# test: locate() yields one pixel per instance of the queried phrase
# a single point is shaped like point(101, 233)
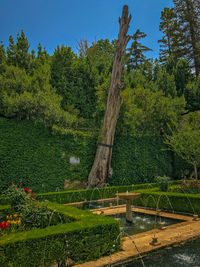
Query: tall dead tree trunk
point(102, 162)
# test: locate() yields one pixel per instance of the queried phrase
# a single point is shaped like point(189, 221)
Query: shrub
point(162, 182)
point(27, 211)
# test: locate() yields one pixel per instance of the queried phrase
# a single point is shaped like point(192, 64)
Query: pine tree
point(136, 52)
point(2, 53)
point(188, 12)
point(22, 54)
point(11, 51)
point(2, 58)
point(42, 54)
point(32, 54)
point(171, 44)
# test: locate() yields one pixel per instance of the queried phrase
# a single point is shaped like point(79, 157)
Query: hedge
point(177, 202)
point(34, 157)
point(88, 237)
point(94, 194)
point(89, 194)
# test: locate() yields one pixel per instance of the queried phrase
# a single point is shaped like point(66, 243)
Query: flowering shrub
point(26, 211)
point(191, 186)
point(18, 197)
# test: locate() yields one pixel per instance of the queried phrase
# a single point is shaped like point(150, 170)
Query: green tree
point(31, 97)
point(22, 54)
point(11, 52)
point(192, 95)
point(42, 54)
point(41, 107)
point(171, 44)
point(183, 75)
point(173, 76)
point(135, 55)
point(166, 83)
point(2, 58)
point(189, 19)
point(185, 141)
point(2, 53)
point(18, 54)
point(62, 74)
point(147, 112)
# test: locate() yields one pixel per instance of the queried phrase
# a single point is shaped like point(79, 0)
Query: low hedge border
point(180, 202)
point(89, 237)
point(93, 194)
point(88, 194)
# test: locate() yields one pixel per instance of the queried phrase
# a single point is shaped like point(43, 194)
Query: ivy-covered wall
point(138, 159)
point(40, 159)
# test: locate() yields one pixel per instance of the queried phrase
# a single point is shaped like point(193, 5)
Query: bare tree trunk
point(102, 162)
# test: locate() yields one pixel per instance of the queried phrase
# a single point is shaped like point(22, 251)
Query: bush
point(28, 212)
point(162, 182)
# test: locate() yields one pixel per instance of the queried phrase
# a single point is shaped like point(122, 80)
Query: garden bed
point(88, 236)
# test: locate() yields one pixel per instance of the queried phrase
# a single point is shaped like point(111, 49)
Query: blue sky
point(56, 22)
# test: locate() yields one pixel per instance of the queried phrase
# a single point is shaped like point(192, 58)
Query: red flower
point(4, 225)
point(26, 189)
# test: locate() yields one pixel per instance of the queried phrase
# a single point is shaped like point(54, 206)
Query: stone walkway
point(173, 234)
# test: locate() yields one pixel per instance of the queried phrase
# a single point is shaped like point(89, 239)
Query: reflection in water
point(187, 255)
point(141, 222)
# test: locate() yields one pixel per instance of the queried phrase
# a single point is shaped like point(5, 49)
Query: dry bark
point(102, 162)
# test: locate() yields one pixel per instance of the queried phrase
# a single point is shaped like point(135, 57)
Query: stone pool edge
point(173, 234)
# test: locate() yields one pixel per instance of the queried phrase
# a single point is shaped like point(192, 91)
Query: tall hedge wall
point(40, 159)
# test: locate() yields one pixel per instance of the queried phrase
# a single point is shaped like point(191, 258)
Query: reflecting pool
point(141, 222)
point(187, 255)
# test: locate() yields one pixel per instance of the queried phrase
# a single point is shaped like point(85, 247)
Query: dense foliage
point(185, 141)
point(68, 89)
point(32, 157)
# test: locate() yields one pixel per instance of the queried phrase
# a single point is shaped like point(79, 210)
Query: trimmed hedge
point(94, 194)
point(89, 237)
point(89, 194)
point(177, 202)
